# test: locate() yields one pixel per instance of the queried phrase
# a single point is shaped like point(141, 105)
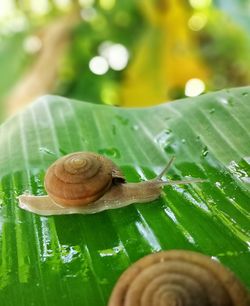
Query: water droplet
point(163, 138)
point(84, 140)
point(69, 253)
point(135, 127)
point(227, 100)
point(103, 281)
point(47, 151)
point(112, 251)
point(246, 179)
point(63, 151)
point(212, 111)
point(171, 149)
point(239, 172)
point(223, 100)
point(218, 184)
point(204, 151)
point(112, 152)
point(123, 120)
point(183, 140)
point(38, 184)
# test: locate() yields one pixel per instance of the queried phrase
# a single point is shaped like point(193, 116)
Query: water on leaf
point(63, 152)
point(112, 251)
point(45, 150)
point(110, 152)
point(122, 120)
point(135, 127)
point(204, 151)
point(238, 171)
point(223, 100)
point(163, 139)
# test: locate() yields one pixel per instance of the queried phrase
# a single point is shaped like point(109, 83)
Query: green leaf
point(237, 11)
point(76, 259)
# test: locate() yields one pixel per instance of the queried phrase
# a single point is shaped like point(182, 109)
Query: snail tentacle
point(165, 169)
point(159, 179)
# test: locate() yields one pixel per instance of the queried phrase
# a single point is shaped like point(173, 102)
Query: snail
point(86, 182)
point(178, 278)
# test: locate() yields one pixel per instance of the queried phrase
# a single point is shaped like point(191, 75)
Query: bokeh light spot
point(32, 44)
point(194, 87)
point(6, 8)
point(117, 55)
point(200, 4)
point(197, 21)
point(40, 7)
point(85, 3)
point(88, 13)
point(63, 4)
point(107, 4)
point(98, 65)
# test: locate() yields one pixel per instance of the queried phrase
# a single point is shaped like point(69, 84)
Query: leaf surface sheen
point(76, 259)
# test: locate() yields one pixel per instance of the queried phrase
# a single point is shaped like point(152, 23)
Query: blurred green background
point(124, 53)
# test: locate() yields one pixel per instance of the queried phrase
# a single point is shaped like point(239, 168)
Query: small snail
point(85, 183)
point(178, 278)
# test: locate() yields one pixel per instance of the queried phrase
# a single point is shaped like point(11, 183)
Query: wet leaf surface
point(76, 259)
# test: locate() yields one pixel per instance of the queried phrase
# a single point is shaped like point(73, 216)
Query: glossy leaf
point(76, 259)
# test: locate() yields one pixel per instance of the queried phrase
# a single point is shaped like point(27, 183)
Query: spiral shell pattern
point(79, 178)
point(178, 278)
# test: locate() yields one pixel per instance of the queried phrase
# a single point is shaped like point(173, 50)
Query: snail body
point(178, 277)
point(86, 182)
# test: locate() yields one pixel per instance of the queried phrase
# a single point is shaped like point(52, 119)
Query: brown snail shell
point(87, 183)
point(80, 178)
point(178, 278)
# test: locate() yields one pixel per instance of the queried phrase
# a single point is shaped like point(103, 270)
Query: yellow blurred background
point(124, 53)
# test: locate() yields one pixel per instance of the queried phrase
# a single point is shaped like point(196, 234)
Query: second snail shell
point(178, 278)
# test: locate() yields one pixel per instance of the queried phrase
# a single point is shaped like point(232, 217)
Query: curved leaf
point(76, 259)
